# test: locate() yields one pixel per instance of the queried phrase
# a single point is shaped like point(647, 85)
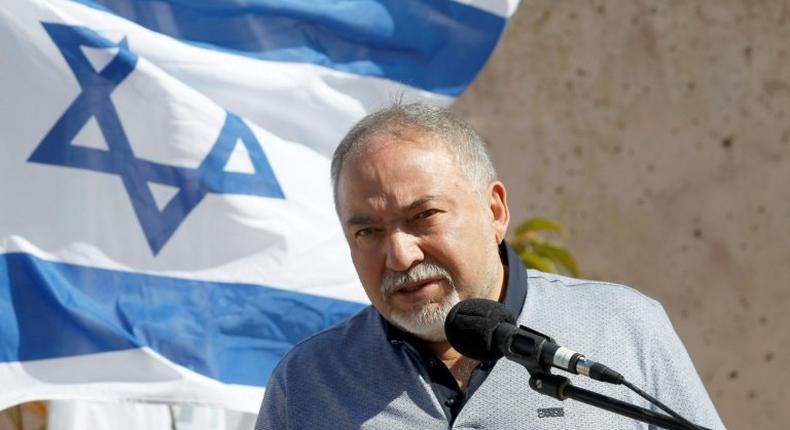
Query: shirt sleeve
point(675, 380)
point(273, 414)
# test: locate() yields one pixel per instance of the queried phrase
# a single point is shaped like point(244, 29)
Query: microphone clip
point(541, 379)
point(529, 347)
point(549, 384)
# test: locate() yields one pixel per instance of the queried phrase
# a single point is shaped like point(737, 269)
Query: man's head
point(422, 212)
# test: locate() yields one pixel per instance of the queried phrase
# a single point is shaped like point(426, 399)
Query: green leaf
point(540, 223)
point(558, 253)
point(519, 245)
point(534, 261)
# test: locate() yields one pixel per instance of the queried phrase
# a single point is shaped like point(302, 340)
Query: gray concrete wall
point(659, 132)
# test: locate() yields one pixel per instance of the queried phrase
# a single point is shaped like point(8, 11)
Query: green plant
point(538, 252)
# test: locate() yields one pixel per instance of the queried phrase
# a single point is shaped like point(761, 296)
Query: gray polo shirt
point(352, 376)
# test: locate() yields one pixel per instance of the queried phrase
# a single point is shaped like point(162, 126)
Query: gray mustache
point(418, 273)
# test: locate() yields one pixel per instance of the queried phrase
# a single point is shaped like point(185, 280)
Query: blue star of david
point(192, 183)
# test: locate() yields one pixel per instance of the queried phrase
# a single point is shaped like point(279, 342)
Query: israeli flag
point(167, 230)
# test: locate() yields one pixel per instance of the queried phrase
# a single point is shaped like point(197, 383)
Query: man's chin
point(426, 321)
point(433, 333)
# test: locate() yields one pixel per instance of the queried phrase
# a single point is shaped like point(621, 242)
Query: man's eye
point(364, 232)
point(426, 214)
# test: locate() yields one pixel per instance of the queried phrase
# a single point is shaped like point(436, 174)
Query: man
point(425, 220)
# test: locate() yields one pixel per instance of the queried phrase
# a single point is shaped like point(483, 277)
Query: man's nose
point(403, 251)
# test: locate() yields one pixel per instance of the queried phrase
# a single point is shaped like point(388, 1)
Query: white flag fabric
point(167, 230)
point(73, 414)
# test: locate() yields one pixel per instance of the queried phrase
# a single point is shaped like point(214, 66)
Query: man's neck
point(461, 367)
point(442, 350)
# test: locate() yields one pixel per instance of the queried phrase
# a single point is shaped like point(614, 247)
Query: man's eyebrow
point(367, 220)
point(422, 201)
point(359, 220)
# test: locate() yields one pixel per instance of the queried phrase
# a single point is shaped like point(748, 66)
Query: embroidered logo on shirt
point(550, 412)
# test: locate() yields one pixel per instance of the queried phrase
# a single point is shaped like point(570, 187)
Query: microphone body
point(526, 346)
point(484, 330)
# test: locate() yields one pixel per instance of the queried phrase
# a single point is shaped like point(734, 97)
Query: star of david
point(94, 102)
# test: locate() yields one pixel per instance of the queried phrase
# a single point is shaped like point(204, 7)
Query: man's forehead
point(393, 139)
point(395, 171)
point(387, 156)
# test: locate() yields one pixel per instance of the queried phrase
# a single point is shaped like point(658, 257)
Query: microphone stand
point(561, 388)
point(543, 381)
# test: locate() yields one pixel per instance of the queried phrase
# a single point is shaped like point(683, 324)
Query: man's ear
point(500, 214)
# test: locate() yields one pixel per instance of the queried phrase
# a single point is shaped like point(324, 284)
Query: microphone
point(484, 330)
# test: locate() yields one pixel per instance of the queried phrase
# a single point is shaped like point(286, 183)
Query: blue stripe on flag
point(435, 45)
point(234, 333)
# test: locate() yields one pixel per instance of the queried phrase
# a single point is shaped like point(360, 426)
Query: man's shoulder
point(356, 331)
point(560, 302)
point(340, 359)
point(589, 292)
point(364, 323)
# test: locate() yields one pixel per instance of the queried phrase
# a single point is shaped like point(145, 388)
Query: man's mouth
point(414, 290)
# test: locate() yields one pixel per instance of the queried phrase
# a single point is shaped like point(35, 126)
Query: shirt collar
point(515, 293)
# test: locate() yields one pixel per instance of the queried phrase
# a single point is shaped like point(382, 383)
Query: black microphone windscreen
point(470, 327)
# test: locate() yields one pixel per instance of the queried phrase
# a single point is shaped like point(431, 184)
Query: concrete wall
point(659, 132)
